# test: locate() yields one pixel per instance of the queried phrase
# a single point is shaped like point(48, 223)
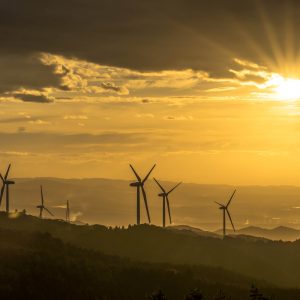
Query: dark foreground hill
point(38, 266)
point(274, 261)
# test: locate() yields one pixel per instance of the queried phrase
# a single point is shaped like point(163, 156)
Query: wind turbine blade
point(42, 195)
point(230, 198)
point(230, 219)
point(174, 187)
point(169, 210)
point(219, 204)
point(159, 185)
point(135, 173)
point(146, 204)
point(7, 171)
point(45, 208)
point(149, 173)
point(2, 189)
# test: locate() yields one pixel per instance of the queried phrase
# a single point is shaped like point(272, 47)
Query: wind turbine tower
point(42, 207)
point(68, 212)
point(5, 187)
point(225, 210)
point(139, 185)
point(165, 199)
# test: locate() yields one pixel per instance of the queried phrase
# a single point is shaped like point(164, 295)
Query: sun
point(287, 88)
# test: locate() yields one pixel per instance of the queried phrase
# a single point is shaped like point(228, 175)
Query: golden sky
point(208, 91)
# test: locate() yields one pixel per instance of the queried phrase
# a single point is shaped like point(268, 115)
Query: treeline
point(38, 266)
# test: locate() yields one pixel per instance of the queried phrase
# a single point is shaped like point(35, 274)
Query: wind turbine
point(68, 212)
point(42, 206)
point(140, 186)
point(165, 198)
point(5, 187)
point(225, 210)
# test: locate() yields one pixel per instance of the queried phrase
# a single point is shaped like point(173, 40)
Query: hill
point(194, 231)
point(39, 266)
point(275, 262)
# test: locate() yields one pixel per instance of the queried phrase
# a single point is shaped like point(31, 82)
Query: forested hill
point(275, 262)
point(38, 266)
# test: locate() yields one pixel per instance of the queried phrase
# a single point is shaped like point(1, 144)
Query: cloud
point(178, 118)
point(148, 115)
point(39, 122)
point(75, 117)
point(14, 153)
point(142, 50)
point(112, 87)
point(173, 34)
point(25, 71)
point(33, 98)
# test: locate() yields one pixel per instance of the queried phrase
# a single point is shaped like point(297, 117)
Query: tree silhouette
point(255, 294)
point(158, 295)
point(220, 296)
point(194, 295)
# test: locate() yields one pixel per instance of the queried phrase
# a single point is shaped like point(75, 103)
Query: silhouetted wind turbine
point(225, 210)
point(42, 206)
point(68, 212)
point(164, 195)
point(140, 186)
point(5, 187)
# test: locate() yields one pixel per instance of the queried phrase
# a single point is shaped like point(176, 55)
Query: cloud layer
point(204, 36)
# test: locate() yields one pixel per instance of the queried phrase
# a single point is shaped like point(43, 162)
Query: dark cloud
point(33, 98)
point(24, 70)
point(111, 86)
point(144, 35)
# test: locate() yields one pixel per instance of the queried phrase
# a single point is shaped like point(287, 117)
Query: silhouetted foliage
point(39, 260)
point(221, 296)
point(255, 294)
point(158, 295)
point(194, 295)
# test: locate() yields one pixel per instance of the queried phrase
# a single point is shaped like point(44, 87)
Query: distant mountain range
point(112, 202)
point(278, 233)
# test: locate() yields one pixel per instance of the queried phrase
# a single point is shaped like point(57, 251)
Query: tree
point(220, 296)
point(255, 294)
point(194, 295)
point(158, 295)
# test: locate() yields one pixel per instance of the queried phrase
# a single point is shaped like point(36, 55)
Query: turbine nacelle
point(161, 195)
point(9, 182)
point(135, 184)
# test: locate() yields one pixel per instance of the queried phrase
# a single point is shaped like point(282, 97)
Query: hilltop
point(275, 262)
